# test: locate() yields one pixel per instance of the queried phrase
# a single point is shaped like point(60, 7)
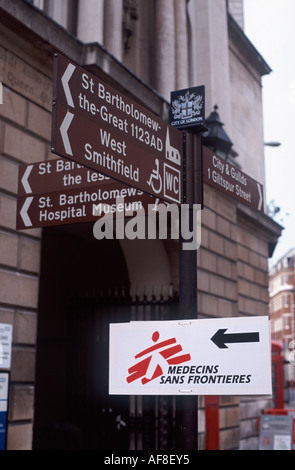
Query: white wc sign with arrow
point(219, 356)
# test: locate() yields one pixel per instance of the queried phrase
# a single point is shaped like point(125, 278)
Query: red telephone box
point(277, 374)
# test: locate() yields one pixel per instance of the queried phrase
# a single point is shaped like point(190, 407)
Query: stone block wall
point(233, 281)
point(25, 127)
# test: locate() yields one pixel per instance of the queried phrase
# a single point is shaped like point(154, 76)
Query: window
point(287, 322)
point(286, 279)
point(277, 325)
point(285, 301)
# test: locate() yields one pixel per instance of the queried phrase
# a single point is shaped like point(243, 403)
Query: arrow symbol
point(24, 212)
point(65, 83)
point(64, 132)
point(220, 338)
point(260, 197)
point(25, 178)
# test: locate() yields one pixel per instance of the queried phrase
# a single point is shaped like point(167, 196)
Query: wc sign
point(172, 183)
point(172, 176)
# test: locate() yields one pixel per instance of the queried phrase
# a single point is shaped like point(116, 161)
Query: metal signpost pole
point(187, 405)
point(187, 112)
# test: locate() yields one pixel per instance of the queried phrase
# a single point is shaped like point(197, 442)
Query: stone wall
point(233, 281)
point(25, 132)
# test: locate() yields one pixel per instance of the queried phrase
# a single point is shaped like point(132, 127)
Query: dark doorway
point(83, 287)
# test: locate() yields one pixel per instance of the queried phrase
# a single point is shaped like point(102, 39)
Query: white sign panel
point(4, 382)
point(5, 345)
point(226, 356)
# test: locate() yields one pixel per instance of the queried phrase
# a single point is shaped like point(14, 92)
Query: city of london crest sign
point(188, 107)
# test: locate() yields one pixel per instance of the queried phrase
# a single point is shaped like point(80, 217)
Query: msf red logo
point(155, 358)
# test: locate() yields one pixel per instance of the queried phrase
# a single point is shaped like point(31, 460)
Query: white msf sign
point(226, 356)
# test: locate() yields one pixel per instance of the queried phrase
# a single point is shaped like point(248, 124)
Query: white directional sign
point(226, 356)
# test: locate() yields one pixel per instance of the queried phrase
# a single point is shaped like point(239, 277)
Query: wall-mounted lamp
point(272, 144)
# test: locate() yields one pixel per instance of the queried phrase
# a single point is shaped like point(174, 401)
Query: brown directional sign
point(57, 175)
point(227, 178)
point(78, 205)
point(60, 191)
point(96, 126)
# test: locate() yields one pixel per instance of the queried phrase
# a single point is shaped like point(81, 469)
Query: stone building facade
point(59, 289)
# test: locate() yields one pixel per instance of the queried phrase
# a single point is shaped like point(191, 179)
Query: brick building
point(281, 290)
point(281, 305)
point(59, 287)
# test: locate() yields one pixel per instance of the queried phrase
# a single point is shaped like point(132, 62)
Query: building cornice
point(36, 28)
point(286, 288)
point(264, 224)
point(245, 45)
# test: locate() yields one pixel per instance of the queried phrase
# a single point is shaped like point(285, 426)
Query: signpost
point(223, 356)
point(228, 179)
point(102, 129)
point(187, 112)
point(113, 147)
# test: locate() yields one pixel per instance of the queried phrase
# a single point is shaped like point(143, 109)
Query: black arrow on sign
point(220, 338)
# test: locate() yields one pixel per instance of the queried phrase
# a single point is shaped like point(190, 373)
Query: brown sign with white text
point(229, 179)
point(102, 129)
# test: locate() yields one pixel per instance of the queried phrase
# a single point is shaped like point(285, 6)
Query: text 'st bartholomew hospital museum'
point(60, 287)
